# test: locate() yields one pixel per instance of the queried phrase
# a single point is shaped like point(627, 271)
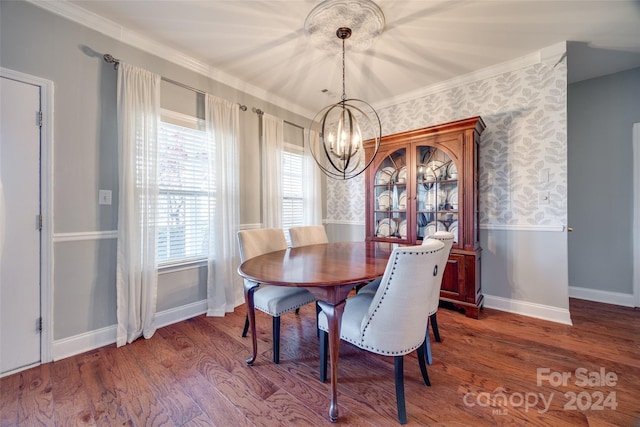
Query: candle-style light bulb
point(330, 139)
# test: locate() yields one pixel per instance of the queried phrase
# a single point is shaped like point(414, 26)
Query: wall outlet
point(104, 197)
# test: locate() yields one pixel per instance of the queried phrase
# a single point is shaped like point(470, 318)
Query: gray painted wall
point(525, 266)
point(601, 113)
point(45, 45)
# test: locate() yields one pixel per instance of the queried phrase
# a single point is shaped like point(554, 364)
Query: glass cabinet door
point(390, 196)
point(437, 192)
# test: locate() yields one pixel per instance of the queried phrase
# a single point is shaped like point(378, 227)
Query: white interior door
point(19, 225)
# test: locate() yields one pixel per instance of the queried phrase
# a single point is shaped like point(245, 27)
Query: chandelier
point(338, 148)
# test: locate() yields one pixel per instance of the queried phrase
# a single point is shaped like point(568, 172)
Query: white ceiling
point(261, 43)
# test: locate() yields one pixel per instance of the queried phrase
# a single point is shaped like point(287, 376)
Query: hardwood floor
point(193, 374)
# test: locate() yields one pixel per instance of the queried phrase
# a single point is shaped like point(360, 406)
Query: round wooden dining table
point(329, 271)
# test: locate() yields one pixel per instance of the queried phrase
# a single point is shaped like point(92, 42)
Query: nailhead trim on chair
point(377, 350)
point(261, 308)
point(285, 311)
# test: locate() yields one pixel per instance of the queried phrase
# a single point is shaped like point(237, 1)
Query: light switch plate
point(104, 197)
point(543, 176)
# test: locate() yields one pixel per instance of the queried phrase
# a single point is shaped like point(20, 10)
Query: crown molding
point(116, 31)
point(81, 16)
point(553, 52)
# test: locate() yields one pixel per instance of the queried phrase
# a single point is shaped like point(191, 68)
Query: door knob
point(569, 229)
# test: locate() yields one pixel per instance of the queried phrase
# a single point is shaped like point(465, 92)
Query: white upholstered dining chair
point(392, 320)
point(308, 235)
point(273, 300)
point(446, 238)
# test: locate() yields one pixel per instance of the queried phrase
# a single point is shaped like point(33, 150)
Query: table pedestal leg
point(334, 318)
point(249, 289)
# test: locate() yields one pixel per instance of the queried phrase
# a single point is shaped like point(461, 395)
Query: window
point(292, 186)
point(183, 204)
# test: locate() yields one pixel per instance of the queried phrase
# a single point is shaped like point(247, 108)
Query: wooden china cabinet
point(426, 180)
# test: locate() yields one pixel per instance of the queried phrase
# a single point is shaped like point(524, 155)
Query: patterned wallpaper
point(523, 150)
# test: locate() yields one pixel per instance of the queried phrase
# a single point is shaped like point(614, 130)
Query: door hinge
point(39, 118)
point(39, 222)
point(39, 324)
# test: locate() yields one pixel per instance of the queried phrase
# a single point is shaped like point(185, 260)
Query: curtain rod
point(111, 60)
point(260, 112)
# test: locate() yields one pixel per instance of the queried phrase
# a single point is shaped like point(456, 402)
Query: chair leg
point(276, 339)
point(427, 348)
point(423, 366)
point(398, 366)
point(318, 310)
point(246, 326)
point(324, 350)
point(434, 326)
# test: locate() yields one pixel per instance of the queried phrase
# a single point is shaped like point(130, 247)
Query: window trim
point(180, 119)
point(293, 148)
point(174, 267)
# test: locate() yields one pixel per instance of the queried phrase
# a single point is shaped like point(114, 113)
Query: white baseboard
point(84, 342)
point(539, 311)
point(20, 369)
point(101, 337)
point(178, 314)
point(607, 297)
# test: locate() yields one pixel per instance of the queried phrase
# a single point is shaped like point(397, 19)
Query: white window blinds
point(292, 189)
point(183, 204)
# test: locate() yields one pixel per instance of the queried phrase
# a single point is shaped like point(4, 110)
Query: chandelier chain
point(344, 91)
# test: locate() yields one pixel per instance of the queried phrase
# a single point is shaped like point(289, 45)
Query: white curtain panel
point(223, 281)
point(272, 147)
point(138, 104)
point(312, 183)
